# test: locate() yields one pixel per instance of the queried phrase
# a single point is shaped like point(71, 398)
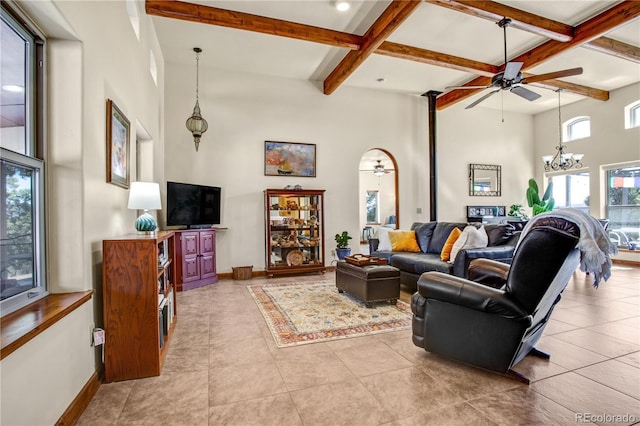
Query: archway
point(378, 192)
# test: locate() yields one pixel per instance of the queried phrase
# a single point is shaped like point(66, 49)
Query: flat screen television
point(193, 206)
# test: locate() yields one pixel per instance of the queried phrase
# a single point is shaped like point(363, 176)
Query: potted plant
point(516, 210)
point(342, 248)
point(534, 201)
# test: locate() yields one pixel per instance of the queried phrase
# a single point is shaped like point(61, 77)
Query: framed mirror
point(485, 180)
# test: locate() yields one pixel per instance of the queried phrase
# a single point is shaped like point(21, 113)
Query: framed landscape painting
point(289, 159)
point(118, 128)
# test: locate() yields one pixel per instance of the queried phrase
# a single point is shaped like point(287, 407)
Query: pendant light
point(561, 160)
point(196, 124)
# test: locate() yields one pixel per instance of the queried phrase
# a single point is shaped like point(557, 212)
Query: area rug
point(312, 312)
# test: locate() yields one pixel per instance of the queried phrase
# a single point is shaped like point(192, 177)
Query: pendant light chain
point(197, 72)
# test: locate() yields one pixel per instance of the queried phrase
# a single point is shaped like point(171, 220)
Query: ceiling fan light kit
point(561, 160)
point(378, 169)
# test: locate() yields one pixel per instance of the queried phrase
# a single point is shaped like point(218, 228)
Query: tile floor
point(222, 368)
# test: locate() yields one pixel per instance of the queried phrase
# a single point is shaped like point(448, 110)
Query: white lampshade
point(144, 196)
point(547, 158)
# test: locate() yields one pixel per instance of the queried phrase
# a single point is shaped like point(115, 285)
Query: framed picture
point(289, 159)
point(118, 128)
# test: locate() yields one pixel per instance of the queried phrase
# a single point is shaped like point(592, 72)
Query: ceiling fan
point(378, 169)
point(511, 78)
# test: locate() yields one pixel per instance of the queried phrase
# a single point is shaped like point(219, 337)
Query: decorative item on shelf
point(145, 196)
point(533, 198)
point(196, 124)
point(516, 210)
point(561, 160)
point(342, 248)
point(295, 258)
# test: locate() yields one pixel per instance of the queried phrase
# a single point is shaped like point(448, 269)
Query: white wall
point(89, 60)
point(244, 110)
point(609, 144)
point(479, 136)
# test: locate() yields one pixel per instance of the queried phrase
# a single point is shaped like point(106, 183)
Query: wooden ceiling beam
point(588, 31)
point(577, 89)
point(616, 48)
point(394, 15)
point(439, 59)
point(246, 21)
point(520, 19)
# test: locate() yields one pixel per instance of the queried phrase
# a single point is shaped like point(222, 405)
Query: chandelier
point(561, 160)
point(196, 124)
point(378, 169)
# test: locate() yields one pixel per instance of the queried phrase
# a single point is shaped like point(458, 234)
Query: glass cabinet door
point(294, 230)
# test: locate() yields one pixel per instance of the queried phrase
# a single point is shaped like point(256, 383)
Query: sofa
point(431, 238)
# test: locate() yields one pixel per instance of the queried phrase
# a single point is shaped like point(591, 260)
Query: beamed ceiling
point(413, 46)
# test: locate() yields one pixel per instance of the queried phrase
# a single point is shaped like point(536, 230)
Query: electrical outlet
point(419, 210)
point(98, 337)
point(333, 253)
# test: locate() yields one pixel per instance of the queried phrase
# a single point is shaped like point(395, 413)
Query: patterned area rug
point(315, 312)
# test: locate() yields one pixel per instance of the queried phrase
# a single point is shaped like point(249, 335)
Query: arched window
point(632, 115)
point(576, 128)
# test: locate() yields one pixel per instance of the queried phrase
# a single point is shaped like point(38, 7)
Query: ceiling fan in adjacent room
point(378, 169)
point(511, 78)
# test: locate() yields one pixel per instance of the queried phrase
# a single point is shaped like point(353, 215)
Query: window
point(623, 205)
point(632, 115)
point(576, 128)
point(134, 17)
point(22, 260)
point(373, 207)
point(571, 191)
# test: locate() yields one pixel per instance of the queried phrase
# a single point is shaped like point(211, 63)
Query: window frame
point(34, 153)
point(566, 203)
point(621, 238)
point(630, 112)
point(567, 128)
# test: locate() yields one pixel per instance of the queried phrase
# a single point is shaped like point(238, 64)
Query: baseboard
point(82, 400)
point(222, 275)
point(626, 262)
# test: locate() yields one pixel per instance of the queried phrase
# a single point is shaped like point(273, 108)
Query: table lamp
point(145, 196)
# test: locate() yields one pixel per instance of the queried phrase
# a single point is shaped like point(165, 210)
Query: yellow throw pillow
point(404, 241)
point(448, 245)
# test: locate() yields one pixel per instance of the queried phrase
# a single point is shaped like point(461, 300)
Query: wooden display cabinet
point(294, 231)
point(139, 304)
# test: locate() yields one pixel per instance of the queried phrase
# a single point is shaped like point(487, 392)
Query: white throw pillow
point(384, 243)
point(471, 237)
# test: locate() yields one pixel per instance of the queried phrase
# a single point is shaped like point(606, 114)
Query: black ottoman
point(369, 283)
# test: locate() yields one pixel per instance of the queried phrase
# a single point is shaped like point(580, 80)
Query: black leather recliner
point(495, 328)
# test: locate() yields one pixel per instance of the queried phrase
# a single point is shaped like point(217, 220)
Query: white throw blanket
point(594, 245)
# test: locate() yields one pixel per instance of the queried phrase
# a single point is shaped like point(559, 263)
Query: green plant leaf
point(532, 197)
point(533, 184)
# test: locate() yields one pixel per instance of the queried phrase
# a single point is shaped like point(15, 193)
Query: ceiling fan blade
point(553, 75)
point(511, 70)
point(482, 99)
point(525, 93)
point(465, 87)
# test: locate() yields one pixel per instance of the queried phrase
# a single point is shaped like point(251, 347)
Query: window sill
point(21, 326)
